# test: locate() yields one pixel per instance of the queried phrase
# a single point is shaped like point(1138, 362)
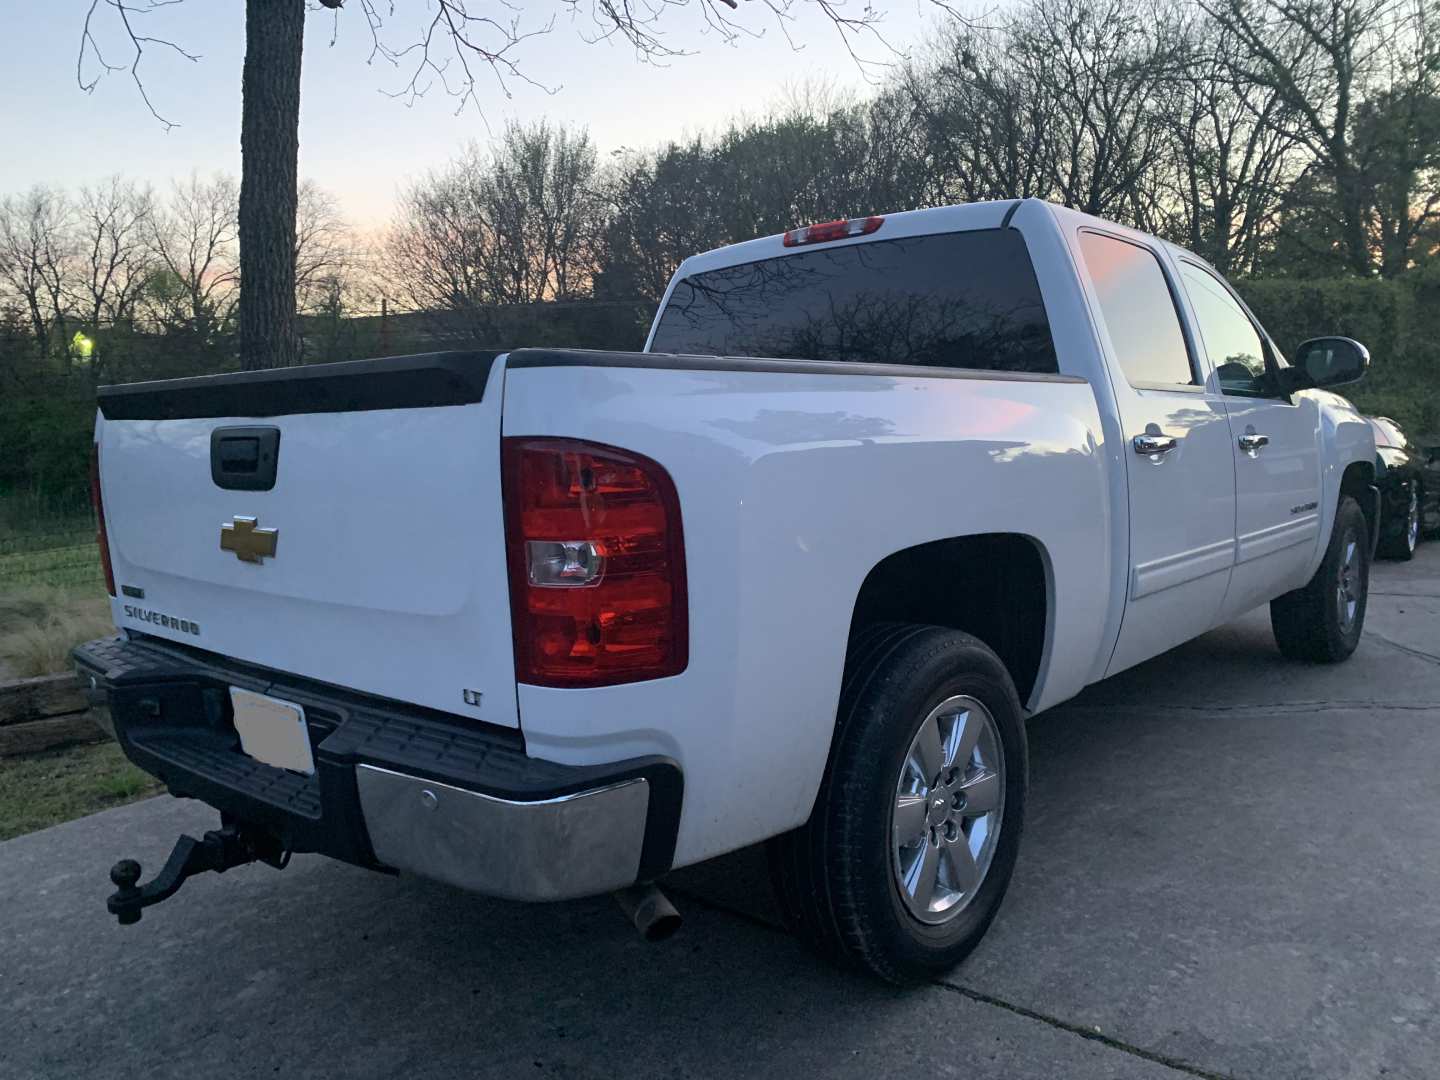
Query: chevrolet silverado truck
point(550, 623)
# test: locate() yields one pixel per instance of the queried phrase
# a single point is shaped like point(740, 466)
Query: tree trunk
point(269, 162)
point(1349, 187)
point(40, 327)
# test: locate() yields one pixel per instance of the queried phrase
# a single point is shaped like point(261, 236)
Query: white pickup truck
point(550, 623)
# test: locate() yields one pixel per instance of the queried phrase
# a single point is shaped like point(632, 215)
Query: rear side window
point(1138, 310)
point(961, 300)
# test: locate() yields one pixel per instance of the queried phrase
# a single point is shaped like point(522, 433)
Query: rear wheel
point(1322, 622)
point(908, 852)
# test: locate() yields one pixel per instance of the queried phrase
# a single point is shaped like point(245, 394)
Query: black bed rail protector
point(551, 358)
point(391, 382)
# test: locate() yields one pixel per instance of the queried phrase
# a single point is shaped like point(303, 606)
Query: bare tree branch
point(125, 11)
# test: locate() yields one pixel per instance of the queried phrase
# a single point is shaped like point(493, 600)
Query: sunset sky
point(354, 140)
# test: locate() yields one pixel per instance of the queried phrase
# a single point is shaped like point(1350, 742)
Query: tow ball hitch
point(219, 850)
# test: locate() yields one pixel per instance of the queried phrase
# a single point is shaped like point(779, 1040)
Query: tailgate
point(388, 567)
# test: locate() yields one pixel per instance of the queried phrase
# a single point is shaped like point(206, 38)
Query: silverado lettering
point(185, 626)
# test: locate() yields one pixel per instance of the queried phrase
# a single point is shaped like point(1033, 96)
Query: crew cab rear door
point(1177, 450)
point(1275, 443)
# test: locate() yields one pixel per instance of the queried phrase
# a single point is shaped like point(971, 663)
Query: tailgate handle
point(244, 458)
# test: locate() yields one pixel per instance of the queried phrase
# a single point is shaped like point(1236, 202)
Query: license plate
point(272, 731)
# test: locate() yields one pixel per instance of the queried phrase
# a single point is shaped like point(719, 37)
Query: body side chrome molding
point(1160, 574)
point(1273, 538)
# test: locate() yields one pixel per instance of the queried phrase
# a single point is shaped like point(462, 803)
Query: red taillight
point(98, 505)
point(597, 564)
point(834, 230)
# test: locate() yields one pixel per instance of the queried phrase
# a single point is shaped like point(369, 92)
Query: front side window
point(961, 300)
point(1138, 312)
point(1231, 340)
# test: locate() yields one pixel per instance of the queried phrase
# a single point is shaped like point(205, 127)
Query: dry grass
point(39, 625)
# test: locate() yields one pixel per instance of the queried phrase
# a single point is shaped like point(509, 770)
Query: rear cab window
point(954, 300)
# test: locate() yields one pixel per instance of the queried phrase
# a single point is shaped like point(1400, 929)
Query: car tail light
point(98, 505)
point(597, 564)
point(834, 230)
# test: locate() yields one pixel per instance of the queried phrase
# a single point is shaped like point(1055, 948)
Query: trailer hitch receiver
point(219, 850)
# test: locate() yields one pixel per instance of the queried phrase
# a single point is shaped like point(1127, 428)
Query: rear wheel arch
point(996, 587)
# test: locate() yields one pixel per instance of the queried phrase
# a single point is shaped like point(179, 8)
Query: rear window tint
point(1138, 311)
point(962, 300)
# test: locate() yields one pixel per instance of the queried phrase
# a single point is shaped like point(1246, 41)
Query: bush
point(45, 444)
point(1375, 312)
point(1397, 320)
point(47, 415)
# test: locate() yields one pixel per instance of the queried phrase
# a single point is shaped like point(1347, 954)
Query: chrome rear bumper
point(550, 849)
point(394, 786)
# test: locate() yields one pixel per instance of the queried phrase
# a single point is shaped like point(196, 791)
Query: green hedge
point(1398, 320)
point(45, 444)
point(45, 434)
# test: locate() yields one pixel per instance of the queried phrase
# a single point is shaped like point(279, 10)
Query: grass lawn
point(45, 789)
point(52, 597)
point(73, 562)
point(52, 593)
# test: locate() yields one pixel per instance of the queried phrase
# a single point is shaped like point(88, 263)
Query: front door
point(1177, 454)
point(1276, 448)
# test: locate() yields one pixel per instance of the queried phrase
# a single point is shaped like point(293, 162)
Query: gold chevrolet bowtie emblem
point(247, 542)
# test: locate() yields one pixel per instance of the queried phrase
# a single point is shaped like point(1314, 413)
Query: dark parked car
point(1409, 479)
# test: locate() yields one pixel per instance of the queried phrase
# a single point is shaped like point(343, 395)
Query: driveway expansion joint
point(981, 998)
point(1429, 657)
point(1279, 709)
point(1177, 1064)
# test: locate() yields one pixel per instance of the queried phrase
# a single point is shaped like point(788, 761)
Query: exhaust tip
point(650, 911)
point(661, 927)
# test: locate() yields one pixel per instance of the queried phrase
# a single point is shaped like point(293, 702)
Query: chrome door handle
point(1251, 443)
point(1154, 445)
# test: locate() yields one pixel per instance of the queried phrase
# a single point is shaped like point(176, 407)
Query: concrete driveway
point(1232, 869)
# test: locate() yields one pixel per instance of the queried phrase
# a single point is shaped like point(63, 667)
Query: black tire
point(1399, 541)
point(833, 876)
point(1309, 623)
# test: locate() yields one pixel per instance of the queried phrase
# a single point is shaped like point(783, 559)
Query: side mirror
point(1331, 361)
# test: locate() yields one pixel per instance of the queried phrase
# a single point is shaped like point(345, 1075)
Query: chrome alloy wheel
point(1349, 588)
point(949, 800)
point(1412, 520)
